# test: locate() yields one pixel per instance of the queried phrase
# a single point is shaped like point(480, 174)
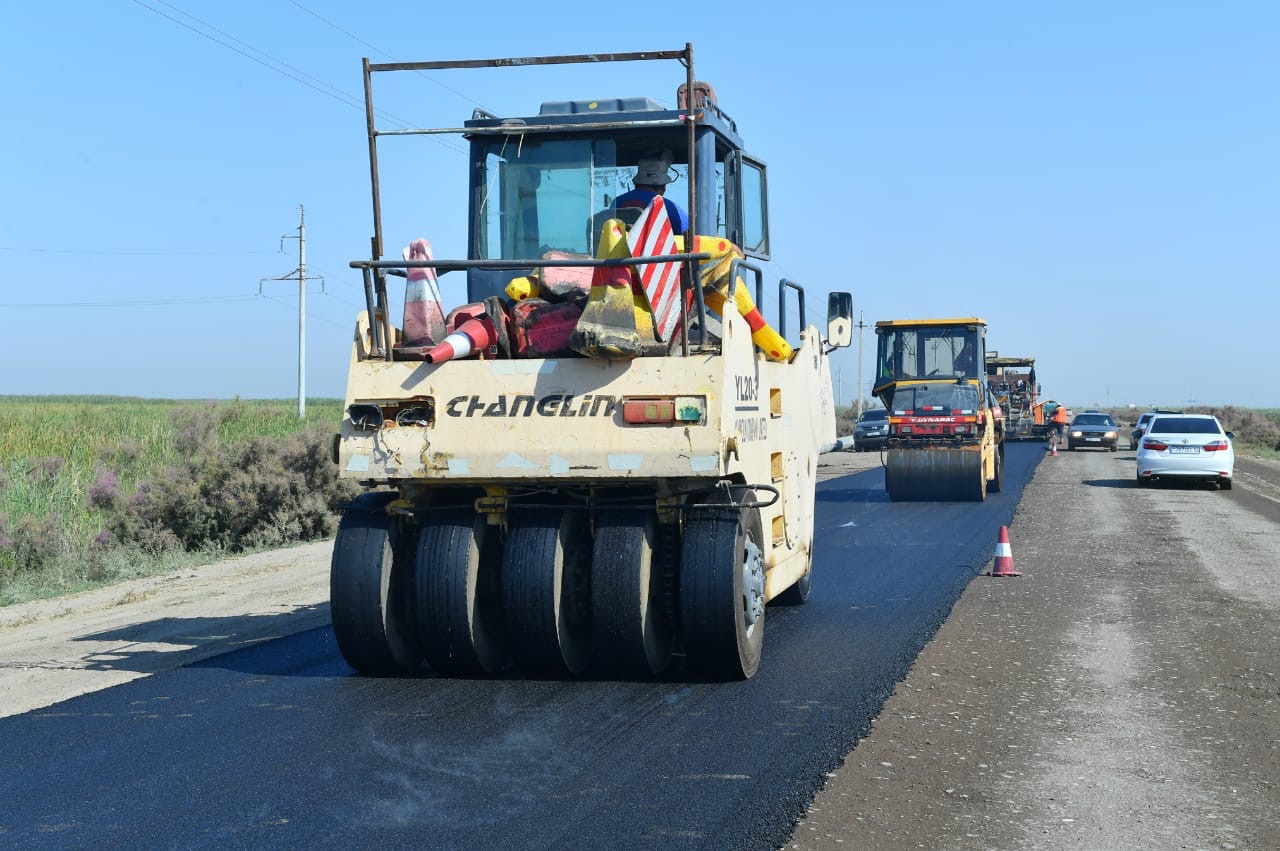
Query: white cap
point(654, 171)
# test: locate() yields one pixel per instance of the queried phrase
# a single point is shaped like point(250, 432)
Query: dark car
point(1135, 436)
point(872, 430)
point(1092, 430)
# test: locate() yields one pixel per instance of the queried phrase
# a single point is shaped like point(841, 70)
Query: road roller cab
point(590, 446)
point(946, 432)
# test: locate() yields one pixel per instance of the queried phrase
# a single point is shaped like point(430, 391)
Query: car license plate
point(1092, 439)
point(1184, 450)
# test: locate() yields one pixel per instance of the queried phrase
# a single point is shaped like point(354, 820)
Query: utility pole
point(860, 326)
point(300, 275)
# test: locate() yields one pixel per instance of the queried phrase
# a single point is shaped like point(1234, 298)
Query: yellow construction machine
point(604, 457)
point(946, 431)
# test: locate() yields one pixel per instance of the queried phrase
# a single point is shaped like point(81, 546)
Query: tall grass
point(70, 465)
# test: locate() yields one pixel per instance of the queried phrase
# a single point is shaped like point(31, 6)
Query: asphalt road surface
point(1123, 693)
point(281, 745)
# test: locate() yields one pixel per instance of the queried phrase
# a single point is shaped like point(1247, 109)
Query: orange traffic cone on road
point(1004, 556)
point(1054, 447)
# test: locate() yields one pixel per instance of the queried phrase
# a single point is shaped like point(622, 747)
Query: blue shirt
point(642, 197)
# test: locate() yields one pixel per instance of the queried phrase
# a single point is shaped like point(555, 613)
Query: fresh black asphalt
point(281, 745)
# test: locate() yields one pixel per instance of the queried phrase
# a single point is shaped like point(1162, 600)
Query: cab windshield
point(539, 195)
point(940, 399)
point(905, 354)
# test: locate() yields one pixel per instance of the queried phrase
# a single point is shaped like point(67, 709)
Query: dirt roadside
point(1123, 693)
point(52, 650)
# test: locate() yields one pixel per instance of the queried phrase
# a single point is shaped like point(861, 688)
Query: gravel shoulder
point(52, 650)
point(1123, 693)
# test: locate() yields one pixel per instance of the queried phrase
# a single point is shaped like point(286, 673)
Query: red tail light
point(1155, 445)
point(1216, 446)
point(648, 411)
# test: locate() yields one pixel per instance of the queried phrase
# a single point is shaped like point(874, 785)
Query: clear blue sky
point(1098, 180)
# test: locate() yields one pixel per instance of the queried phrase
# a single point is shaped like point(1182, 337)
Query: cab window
point(539, 196)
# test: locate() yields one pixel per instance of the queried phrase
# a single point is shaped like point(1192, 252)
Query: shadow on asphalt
point(1132, 484)
point(1109, 483)
point(314, 653)
point(151, 646)
point(1175, 485)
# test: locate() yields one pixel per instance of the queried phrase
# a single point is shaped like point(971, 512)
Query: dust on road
point(1122, 694)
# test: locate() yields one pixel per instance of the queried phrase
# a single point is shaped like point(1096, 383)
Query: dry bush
point(267, 492)
point(1250, 427)
point(31, 544)
point(846, 419)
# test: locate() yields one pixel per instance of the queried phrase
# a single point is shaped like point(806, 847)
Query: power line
point(309, 314)
point(284, 68)
point(341, 301)
point(179, 302)
point(344, 278)
point(323, 88)
point(375, 49)
point(97, 253)
point(167, 302)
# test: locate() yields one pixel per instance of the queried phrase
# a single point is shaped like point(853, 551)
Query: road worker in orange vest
point(1060, 422)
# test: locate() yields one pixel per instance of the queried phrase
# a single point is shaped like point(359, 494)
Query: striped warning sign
point(651, 236)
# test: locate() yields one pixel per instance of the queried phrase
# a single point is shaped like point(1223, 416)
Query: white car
point(1186, 446)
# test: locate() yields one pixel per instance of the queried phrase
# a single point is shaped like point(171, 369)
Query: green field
point(55, 450)
point(95, 489)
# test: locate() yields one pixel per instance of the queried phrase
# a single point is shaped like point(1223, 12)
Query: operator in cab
point(966, 362)
point(652, 176)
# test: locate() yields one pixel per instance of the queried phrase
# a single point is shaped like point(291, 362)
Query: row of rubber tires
point(553, 595)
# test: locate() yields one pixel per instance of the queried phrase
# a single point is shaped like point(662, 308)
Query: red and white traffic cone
point(1004, 556)
point(423, 314)
point(474, 335)
point(1054, 447)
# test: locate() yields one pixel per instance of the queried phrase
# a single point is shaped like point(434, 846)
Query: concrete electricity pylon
point(860, 326)
point(300, 275)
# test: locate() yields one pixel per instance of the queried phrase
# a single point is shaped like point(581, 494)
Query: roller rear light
point(365, 417)
point(648, 411)
point(664, 410)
